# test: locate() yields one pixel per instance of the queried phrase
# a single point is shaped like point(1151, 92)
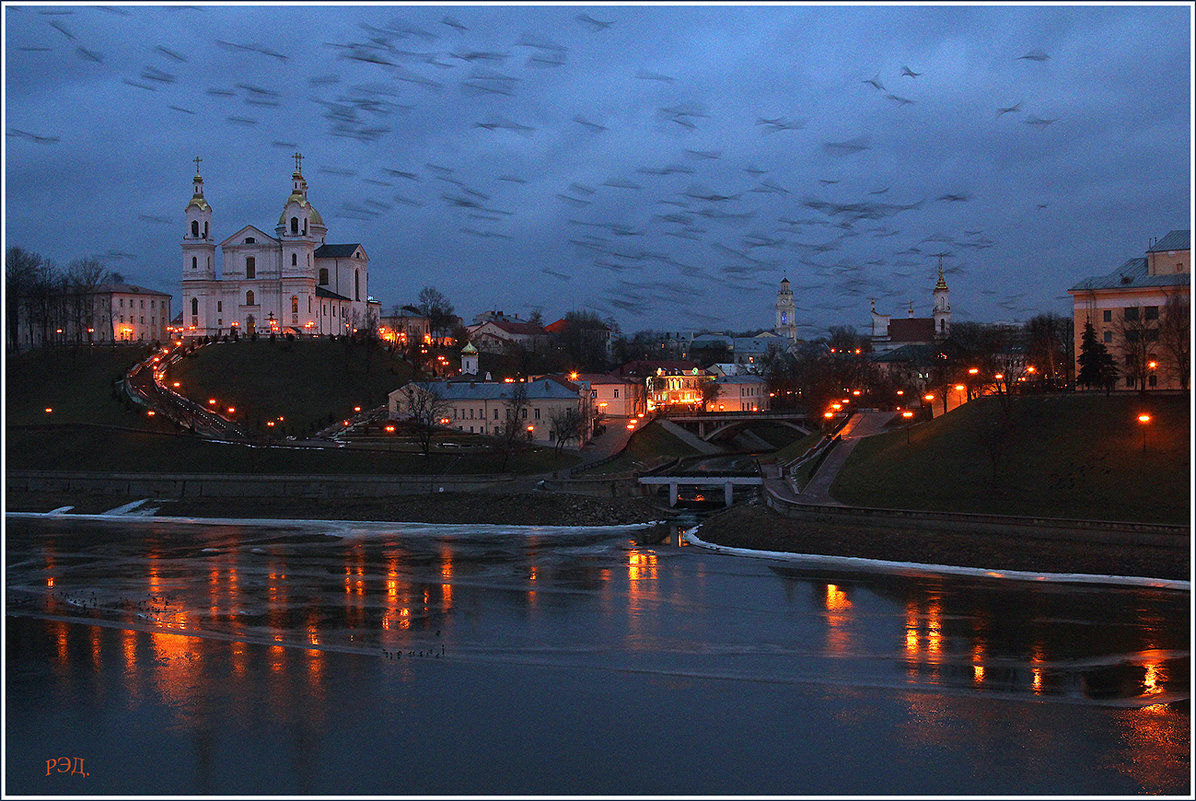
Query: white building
point(786, 312)
point(291, 282)
point(740, 393)
point(483, 407)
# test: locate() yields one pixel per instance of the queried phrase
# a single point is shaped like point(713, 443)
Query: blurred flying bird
point(1034, 55)
point(875, 81)
point(591, 23)
point(1015, 107)
point(906, 72)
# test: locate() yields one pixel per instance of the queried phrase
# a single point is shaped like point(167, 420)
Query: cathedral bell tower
point(786, 324)
point(942, 308)
point(300, 228)
point(199, 260)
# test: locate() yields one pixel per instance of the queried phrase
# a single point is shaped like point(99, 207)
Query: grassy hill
point(1067, 455)
point(90, 429)
point(310, 383)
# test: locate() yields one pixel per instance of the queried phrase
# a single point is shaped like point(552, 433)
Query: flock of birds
point(682, 233)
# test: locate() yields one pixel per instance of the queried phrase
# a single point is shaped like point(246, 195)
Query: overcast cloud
point(662, 165)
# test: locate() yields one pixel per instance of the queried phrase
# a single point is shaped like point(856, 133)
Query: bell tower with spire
point(199, 257)
point(942, 308)
point(786, 309)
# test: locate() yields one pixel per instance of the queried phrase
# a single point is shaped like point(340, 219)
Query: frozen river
point(303, 658)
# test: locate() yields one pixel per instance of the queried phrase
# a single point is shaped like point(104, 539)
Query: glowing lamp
point(928, 397)
point(49, 410)
point(232, 409)
point(211, 401)
point(973, 370)
point(907, 414)
point(828, 415)
point(999, 376)
point(1144, 418)
point(150, 413)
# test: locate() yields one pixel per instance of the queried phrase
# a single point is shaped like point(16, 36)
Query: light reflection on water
point(592, 599)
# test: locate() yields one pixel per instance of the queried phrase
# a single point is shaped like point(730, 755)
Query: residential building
point(1128, 306)
point(408, 327)
point(292, 282)
point(615, 396)
point(104, 313)
point(502, 336)
point(484, 407)
point(740, 393)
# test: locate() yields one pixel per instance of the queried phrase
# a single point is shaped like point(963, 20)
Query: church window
point(294, 304)
point(323, 275)
point(249, 298)
point(250, 267)
point(249, 240)
point(294, 259)
point(305, 226)
point(356, 285)
point(194, 263)
point(143, 303)
point(536, 412)
point(294, 225)
point(195, 228)
point(220, 305)
point(309, 304)
point(143, 319)
point(205, 230)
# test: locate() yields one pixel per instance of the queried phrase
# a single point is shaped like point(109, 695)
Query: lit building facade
point(292, 282)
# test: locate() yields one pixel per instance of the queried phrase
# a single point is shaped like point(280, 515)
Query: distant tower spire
point(298, 162)
point(942, 306)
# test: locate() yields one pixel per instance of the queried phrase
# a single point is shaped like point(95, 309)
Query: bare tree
point(710, 393)
point(20, 274)
point(436, 307)
point(1175, 337)
point(1051, 347)
point(512, 428)
point(566, 423)
point(426, 408)
point(1137, 337)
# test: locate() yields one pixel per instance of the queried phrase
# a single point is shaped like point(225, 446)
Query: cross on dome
point(298, 161)
point(197, 160)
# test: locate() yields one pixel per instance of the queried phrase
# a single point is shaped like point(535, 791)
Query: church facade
point(291, 282)
point(889, 334)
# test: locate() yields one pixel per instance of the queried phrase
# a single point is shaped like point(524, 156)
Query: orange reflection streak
point(1154, 679)
point(911, 629)
point(277, 658)
point(977, 663)
point(837, 606)
point(1156, 745)
point(214, 590)
point(934, 628)
point(1036, 661)
point(397, 617)
point(238, 659)
point(177, 668)
point(96, 643)
point(446, 573)
point(62, 641)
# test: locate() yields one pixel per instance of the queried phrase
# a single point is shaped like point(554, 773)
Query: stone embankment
point(757, 527)
point(509, 508)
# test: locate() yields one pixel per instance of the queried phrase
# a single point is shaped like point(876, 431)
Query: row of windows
point(153, 320)
point(482, 414)
point(153, 303)
point(1130, 313)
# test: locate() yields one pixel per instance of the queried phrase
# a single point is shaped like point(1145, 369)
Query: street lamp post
point(1143, 420)
point(909, 416)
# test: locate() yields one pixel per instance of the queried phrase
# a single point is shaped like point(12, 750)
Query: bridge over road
point(674, 482)
point(708, 425)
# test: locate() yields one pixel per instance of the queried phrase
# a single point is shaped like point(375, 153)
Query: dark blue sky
point(663, 165)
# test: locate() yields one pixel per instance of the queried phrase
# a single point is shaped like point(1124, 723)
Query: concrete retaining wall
point(1042, 528)
point(191, 485)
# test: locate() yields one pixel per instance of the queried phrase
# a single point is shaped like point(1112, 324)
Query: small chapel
point(292, 282)
point(890, 334)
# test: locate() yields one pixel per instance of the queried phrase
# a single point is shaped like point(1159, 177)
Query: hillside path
point(862, 424)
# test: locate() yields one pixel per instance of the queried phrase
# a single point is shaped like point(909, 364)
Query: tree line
point(41, 297)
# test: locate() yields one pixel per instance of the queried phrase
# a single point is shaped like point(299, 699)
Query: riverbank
point(756, 527)
point(510, 508)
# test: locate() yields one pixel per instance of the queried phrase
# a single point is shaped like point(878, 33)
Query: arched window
point(194, 306)
point(294, 304)
point(195, 228)
point(249, 298)
point(194, 263)
point(356, 285)
point(250, 267)
point(205, 229)
point(323, 275)
point(294, 226)
point(294, 259)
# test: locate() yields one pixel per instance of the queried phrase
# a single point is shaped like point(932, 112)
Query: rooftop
point(1174, 240)
point(1134, 275)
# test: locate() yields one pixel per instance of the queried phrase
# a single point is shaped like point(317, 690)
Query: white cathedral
point(293, 282)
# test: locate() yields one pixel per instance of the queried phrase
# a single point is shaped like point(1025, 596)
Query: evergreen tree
point(1097, 367)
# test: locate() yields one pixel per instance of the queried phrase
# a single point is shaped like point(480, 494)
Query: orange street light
point(1152, 364)
point(176, 385)
point(357, 408)
point(270, 423)
point(901, 392)
point(1144, 418)
point(49, 410)
point(927, 397)
point(973, 370)
point(232, 409)
point(390, 429)
point(150, 413)
point(836, 406)
point(855, 391)
point(999, 376)
point(211, 401)
point(828, 415)
point(908, 415)
point(960, 387)
point(1031, 370)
